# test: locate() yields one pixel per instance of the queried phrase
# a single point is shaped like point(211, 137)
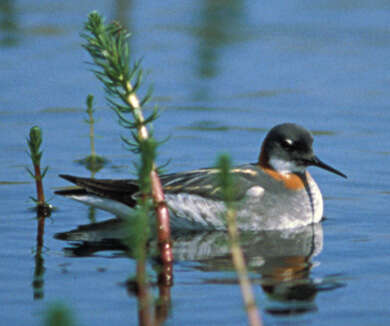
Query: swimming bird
point(276, 192)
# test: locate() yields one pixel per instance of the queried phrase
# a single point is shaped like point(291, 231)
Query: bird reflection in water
point(282, 258)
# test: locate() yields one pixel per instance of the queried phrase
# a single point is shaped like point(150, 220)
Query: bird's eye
point(287, 144)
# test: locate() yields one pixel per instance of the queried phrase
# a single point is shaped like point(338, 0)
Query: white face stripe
point(285, 167)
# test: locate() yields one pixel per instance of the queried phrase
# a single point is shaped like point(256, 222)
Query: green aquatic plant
point(91, 122)
point(108, 47)
point(92, 162)
point(138, 240)
point(34, 142)
point(226, 183)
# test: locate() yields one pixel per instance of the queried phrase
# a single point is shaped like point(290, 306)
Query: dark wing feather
point(202, 182)
point(120, 190)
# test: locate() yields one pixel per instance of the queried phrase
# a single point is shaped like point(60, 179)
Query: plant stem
point(92, 135)
point(135, 104)
point(240, 266)
point(39, 186)
point(34, 142)
point(107, 44)
point(162, 213)
point(227, 186)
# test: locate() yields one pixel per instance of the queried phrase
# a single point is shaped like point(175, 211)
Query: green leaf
point(44, 171)
point(30, 173)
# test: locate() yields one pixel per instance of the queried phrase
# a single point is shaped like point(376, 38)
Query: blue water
point(223, 74)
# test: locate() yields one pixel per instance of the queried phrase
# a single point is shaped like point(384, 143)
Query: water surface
point(224, 73)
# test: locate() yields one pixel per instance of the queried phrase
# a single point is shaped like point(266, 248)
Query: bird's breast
point(291, 181)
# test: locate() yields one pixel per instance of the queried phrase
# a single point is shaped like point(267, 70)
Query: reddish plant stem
point(162, 212)
point(38, 183)
point(164, 231)
point(165, 277)
point(40, 207)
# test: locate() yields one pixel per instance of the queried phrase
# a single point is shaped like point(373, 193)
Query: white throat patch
point(285, 167)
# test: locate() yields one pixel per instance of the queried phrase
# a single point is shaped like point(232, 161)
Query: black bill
point(317, 162)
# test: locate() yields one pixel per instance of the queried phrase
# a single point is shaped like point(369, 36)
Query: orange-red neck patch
point(291, 181)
